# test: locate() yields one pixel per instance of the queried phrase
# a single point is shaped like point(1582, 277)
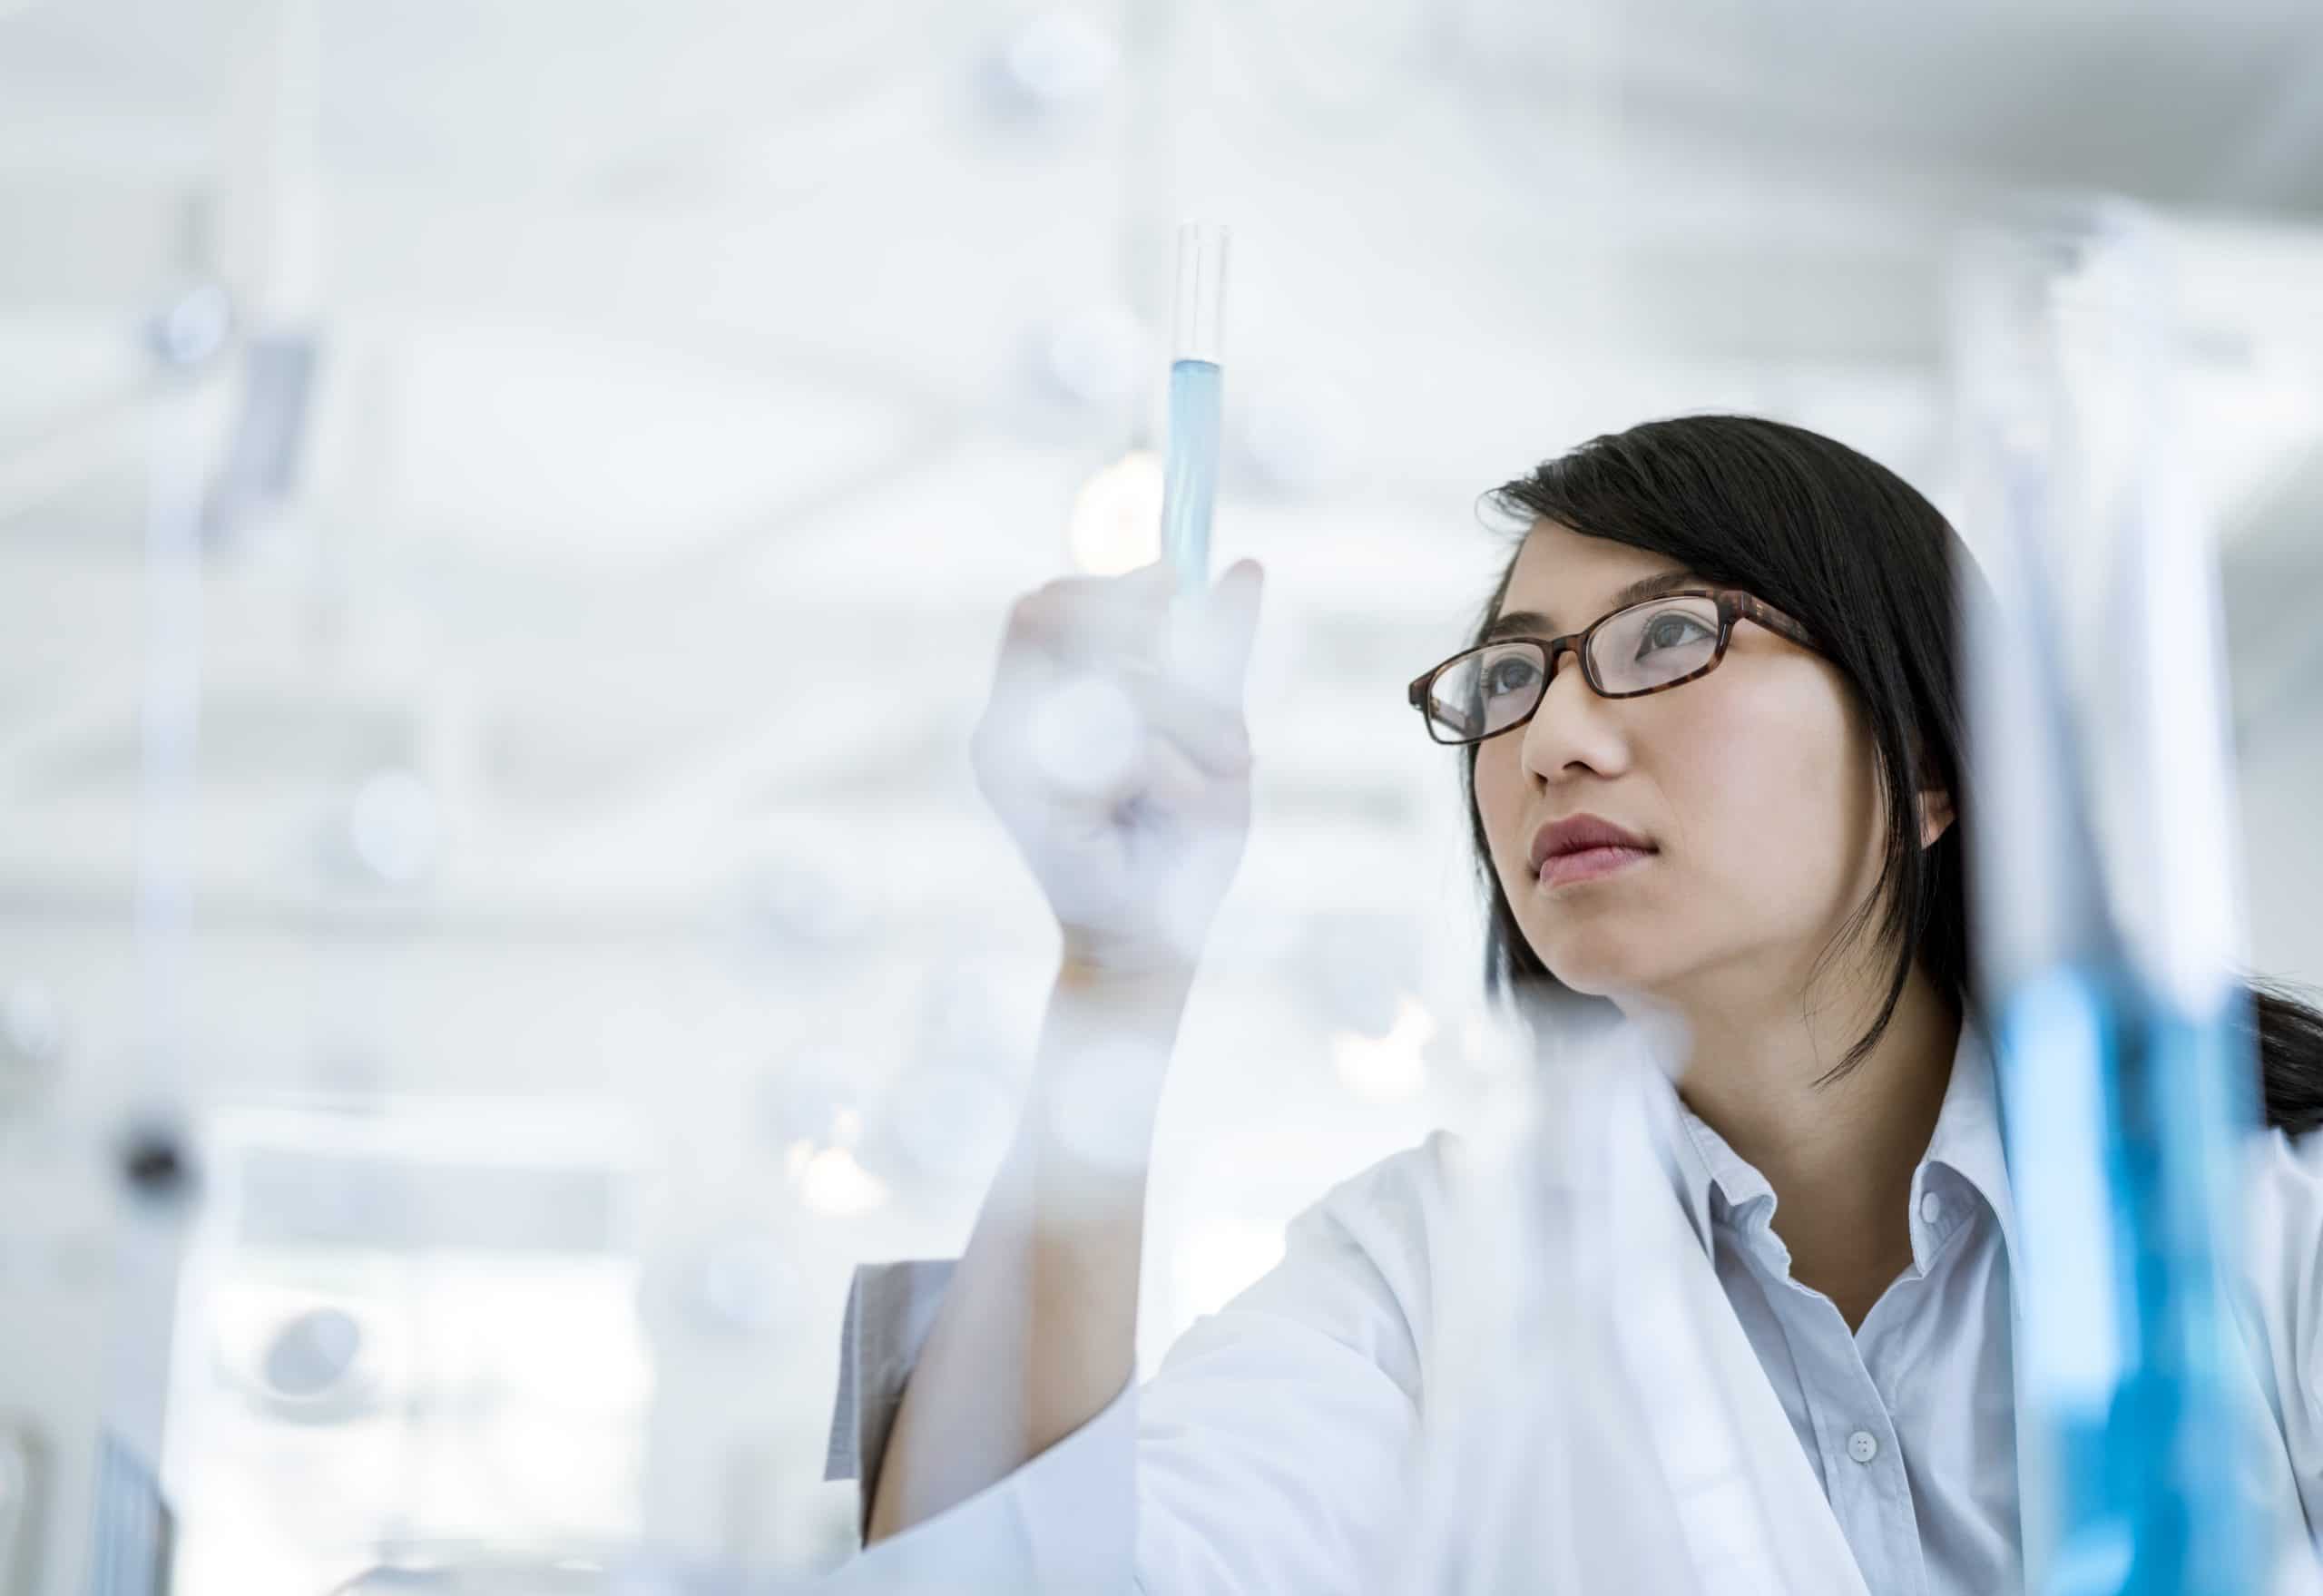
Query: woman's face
point(1755, 787)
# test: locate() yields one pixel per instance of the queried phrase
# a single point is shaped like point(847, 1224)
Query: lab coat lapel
point(1715, 1405)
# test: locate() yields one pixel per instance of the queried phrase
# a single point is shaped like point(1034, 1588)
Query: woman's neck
point(1839, 1157)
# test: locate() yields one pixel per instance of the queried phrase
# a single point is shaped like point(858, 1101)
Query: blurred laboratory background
point(507, 513)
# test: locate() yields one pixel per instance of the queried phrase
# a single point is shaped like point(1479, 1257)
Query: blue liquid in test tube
point(1189, 475)
point(1190, 482)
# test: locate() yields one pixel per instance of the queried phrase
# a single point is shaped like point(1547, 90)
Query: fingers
point(1076, 626)
point(1209, 733)
point(1206, 638)
point(1089, 733)
point(1128, 625)
point(1083, 617)
point(1092, 670)
point(1113, 749)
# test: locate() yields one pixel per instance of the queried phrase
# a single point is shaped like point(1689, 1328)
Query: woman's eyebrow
point(1532, 624)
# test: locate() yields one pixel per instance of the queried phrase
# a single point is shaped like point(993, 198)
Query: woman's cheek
point(1727, 764)
point(1787, 801)
point(1495, 801)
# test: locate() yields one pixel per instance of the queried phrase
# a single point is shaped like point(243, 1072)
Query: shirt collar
point(1967, 1139)
point(1715, 1183)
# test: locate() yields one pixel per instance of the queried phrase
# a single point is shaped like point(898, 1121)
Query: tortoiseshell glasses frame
point(1450, 723)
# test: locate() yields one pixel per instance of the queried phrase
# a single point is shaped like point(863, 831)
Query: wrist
point(1104, 1052)
point(1129, 1015)
point(1111, 974)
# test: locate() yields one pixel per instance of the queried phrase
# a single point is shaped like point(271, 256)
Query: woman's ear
point(1936, 815)
point(1935, 802)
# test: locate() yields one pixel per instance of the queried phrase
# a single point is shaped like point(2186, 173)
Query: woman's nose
point(1569, 725)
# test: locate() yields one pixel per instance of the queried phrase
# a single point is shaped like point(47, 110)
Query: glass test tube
point(1190, 478)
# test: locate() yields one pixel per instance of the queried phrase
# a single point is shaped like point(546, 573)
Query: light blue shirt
point(1270, 1452)
point(1910, 1421)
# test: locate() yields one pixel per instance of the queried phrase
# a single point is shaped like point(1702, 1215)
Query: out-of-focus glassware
point(1598, 1421)
point(2106, 924)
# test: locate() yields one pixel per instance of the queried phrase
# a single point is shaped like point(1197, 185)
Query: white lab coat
point(1276, 1452)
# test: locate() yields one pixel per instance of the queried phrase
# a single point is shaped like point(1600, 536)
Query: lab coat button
point(1931, 1207)
point(1863, 1446)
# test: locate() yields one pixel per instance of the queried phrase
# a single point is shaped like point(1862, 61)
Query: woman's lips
point(1588, 864)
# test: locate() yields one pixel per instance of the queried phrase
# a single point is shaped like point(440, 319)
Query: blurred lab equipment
point(1568, 1448)
point(96, 1196)
point(2106, 926)
point(464, 1569)
point(31, 1046)
point(421, 1319)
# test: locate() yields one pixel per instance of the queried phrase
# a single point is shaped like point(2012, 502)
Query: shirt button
point(1863, 1446)
point(1931, 1207)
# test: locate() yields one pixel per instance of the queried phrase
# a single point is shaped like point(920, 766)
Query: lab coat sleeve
point(1065, 1521)
point(1267, 1454)
point(1274, 1445)
point(890, 1308)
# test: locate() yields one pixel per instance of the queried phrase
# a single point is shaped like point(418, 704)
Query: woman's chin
point(1590, 978)
point(1594, 967)
point(1590, 985)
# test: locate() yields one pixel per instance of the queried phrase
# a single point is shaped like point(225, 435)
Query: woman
point(1744, 808)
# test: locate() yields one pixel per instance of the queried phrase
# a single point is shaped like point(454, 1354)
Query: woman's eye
point(1669, 632)
point(1508, 676)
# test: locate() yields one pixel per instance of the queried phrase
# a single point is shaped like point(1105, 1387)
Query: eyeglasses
point(1645, 648)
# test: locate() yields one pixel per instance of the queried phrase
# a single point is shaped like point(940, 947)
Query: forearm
point(1037, 1331)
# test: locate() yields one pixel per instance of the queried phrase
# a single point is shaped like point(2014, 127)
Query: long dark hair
point(1871, 569)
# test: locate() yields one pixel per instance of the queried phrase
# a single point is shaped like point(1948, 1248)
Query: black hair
point(1873, 571)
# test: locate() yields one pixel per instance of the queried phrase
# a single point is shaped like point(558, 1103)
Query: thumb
point(1211, 640)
